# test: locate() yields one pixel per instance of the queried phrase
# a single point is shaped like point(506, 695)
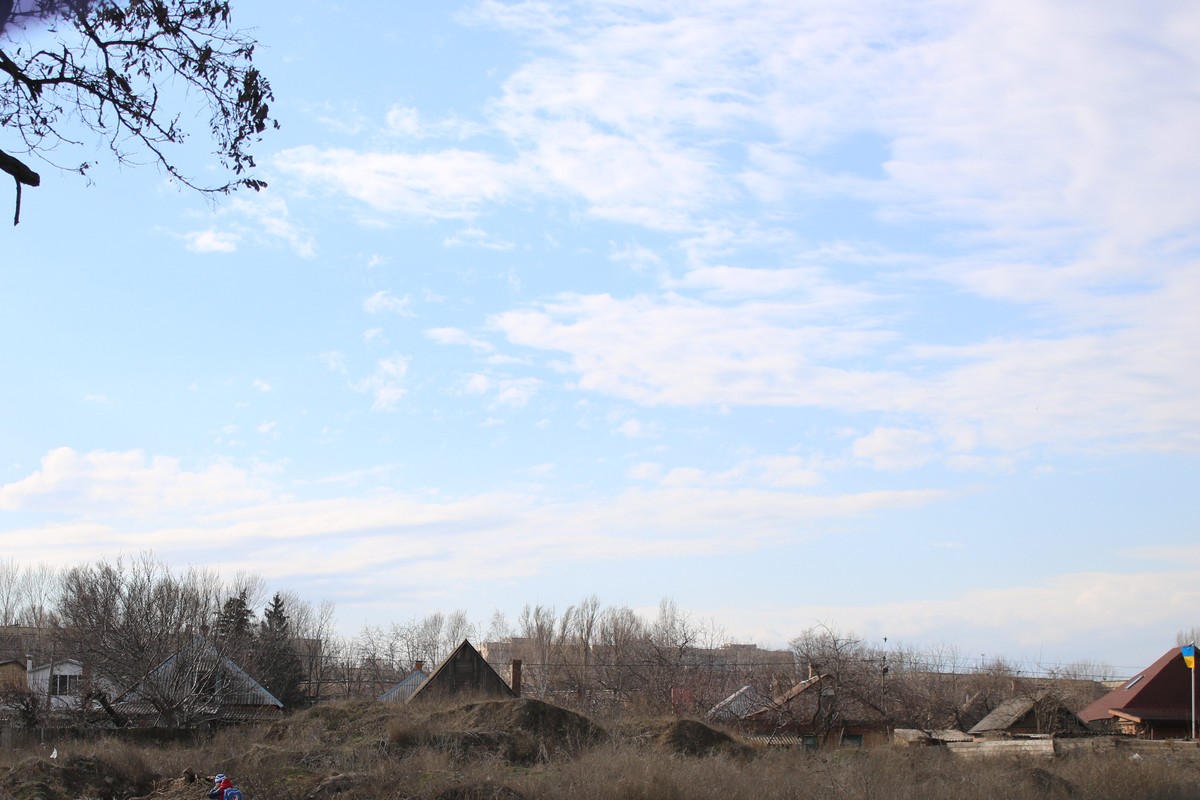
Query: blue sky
point(869, 313)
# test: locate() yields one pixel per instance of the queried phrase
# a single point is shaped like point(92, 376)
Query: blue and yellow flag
point(1189, 655)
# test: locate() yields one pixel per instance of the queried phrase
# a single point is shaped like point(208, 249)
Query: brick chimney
point(419, 666)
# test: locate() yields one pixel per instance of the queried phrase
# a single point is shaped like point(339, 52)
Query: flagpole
point(1192, 665)
point(1189, 659)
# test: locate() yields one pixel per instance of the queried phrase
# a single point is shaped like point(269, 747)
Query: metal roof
point(1160, 692)
point(243, 690)
point(404, 689)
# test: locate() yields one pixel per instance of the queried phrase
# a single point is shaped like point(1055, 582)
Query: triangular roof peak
point(1162, 691)
point(464, 671)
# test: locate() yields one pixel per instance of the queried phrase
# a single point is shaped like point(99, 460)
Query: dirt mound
point(480, 791)
point(523, 731)
point(691, 738)
point(76, 776)
point(337, 723)
point(182, 788)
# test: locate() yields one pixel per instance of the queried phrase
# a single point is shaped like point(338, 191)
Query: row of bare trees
point(26, 593)
point(932, 687)
point(125, 618)
point(138, 627)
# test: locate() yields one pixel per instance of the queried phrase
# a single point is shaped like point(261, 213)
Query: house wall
point(71, 680)
point(465, 671)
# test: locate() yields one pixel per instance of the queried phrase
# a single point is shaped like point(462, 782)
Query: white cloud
point(473, 236)
point(673, 351)
point(126, 484)
point(222, 510)
point(515, 392)
point(478, 384)
point(407, 121)
point(458, 336)
point(786, 471)
point(404, 120)
point(211, 241)
point(334, 361)
point(635, 429)
point(262, 385)
point(448, 184)
point(385, 383)
point(1129, 387)
point(268, 219)
point(636, 256)
point(646, 471)
point(384, 302)
point(894, 448)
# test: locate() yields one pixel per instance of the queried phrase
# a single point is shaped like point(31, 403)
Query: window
point(64, 684)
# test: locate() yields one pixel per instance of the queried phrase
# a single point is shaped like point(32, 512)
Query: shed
point(464, 672)
point(1042, 713)
point(739, 705)
point(60, 682)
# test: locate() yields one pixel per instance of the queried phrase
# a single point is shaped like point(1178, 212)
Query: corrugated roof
point(405, 688)
point(148, 714)
point(739, 705)
point(1005, 715)
point(242, 690)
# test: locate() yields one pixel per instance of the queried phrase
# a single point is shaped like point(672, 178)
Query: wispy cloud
point(127, 484)
point(385, 384)
point(449, 184)
point(211, 241)
point(384, 302)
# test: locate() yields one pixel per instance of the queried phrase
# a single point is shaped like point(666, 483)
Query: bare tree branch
point(126, 72)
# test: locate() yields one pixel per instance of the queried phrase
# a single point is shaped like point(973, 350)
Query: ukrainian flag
point(1189, 655)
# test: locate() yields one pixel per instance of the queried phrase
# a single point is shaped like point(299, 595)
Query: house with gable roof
point(1154, 704)
point(464, 672)
point(811, 713)
point(1038, 714)
point(197, 685)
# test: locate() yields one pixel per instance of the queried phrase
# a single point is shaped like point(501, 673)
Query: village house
point(1030, 715)
point(196, 685)
point(1154, 704)
point(60, 682)
point(466, 672)
point(811, 713)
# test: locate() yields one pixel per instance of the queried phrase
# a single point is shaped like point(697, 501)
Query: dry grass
point(525, 750)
